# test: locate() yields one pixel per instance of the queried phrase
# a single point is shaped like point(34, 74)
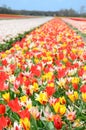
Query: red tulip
point(81, 72)
point(4, 62)
point(50, 90)
point(24, 113)
point(57, 122)
point(2, 109)
point(3, 122)
point(61, 73)
point(14, 105)
point(35, 71)
point(75, 86)
point(83, 89)
point(3, 76)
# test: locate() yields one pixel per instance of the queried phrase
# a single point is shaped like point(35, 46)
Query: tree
point(82, 9)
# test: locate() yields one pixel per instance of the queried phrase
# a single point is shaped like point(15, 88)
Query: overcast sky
point(44, 5)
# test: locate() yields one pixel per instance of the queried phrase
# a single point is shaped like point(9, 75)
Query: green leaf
point(40, 124)
point(2, 102)
point(12, 94)
point(80, 128)
point(17, 71)
point(82, 117)
point(33, 124)
point(50, 126)
point(15, 116)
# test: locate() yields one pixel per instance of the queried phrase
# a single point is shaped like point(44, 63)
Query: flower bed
point(43, 81)
point(14, 16)
point(78, 23)
point(11, 28)
point(79, 19)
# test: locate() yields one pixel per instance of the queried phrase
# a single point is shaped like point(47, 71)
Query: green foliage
point(17, 71)
point(8, 44)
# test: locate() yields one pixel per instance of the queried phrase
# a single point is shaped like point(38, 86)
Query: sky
point(44, 5)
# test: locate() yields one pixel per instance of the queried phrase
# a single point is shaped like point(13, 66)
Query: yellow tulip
point(76, 95)
point(56, 107)
point(49, 75)
point(64, 45)
point(71, 97)
point(7, 51)
point(75, 80)
point(29, 41)
point(51, 84)
point(65, 59)
point(35, 87)
point(3, 55)
point(62, 109)
point(6, 97)
point(62, 100)
point(84, 68)
point(25, 123)
point(36, 60)
point(74, 50)
point(23, 98)
point(42, 98)
point(18, 64)
point(17, 47)
point(84, 97)
point(49, 58)
point(25, 48)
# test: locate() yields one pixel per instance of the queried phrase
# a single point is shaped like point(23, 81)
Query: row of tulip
point(81, 25)
point(43, 80)
point(78, 19)
point(11, 28)
point(14, 16)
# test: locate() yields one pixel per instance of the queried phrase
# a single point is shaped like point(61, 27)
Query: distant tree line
point(63, 12)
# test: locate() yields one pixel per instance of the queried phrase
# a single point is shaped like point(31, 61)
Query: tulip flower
point(25, 123)
point(3, 122)
point(42, 97)
point(14, 105)
point(2, 109)
point(6, 97)
point(71, 114)
point(57, 122)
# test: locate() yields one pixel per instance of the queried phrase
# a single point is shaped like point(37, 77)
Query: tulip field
point(43, 80)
